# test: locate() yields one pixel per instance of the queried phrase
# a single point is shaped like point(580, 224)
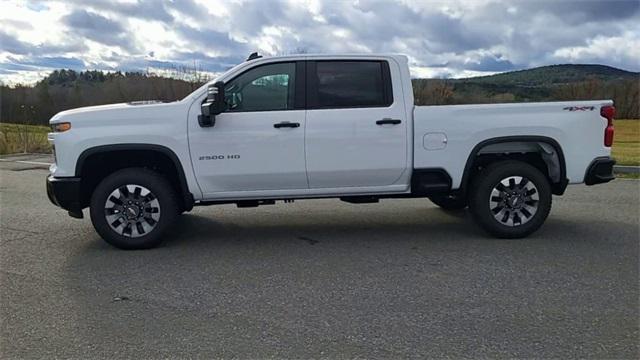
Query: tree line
point(68, 89)
point(624, 92)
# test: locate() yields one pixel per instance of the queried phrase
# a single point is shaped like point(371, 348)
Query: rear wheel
point(132, 208)
point(449, 202)
point(510, 199)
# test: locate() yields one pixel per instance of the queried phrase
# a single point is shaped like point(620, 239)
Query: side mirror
point(213, 105)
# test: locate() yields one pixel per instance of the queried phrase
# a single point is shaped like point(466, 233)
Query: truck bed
point(444, 136)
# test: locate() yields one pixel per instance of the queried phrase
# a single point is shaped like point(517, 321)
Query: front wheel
point(132, 208)
point(510, 199)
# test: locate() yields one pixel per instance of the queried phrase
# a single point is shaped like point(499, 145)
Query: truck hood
point(114, 111)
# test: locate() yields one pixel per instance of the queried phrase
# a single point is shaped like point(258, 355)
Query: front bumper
point(65, 193)
point(600, 171)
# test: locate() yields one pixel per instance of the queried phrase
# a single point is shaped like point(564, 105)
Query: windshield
point(202, 89)
point(199, 90)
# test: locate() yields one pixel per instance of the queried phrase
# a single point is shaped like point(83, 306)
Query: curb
point(626, 169)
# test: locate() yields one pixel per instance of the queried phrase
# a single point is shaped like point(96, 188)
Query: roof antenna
point(253, 56)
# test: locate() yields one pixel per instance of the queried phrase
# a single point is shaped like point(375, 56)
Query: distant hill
point(556, 75)
point(545, 83)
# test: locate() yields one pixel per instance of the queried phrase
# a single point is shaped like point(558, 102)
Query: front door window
point(264, 88)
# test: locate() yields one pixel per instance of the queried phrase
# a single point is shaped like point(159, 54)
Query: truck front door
point(258, 142)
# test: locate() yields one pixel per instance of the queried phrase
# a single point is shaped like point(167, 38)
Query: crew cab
point(321, 126)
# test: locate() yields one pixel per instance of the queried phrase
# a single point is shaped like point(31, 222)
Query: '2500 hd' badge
point(219, 157)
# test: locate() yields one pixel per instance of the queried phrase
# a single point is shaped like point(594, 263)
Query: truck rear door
point(356, 126)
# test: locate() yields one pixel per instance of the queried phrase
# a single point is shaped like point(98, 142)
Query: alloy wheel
point(132, 210)
point(514, 201)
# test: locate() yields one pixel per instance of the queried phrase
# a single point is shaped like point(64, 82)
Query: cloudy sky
point(453, 38)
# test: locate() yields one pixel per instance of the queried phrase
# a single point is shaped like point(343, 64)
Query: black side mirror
point(213, 105)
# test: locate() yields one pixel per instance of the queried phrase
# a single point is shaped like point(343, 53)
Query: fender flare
point(182, 179)
point(558, 186)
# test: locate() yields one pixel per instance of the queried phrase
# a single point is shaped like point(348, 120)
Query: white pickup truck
point(321, 126)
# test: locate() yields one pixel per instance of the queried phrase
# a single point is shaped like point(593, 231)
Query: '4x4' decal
point(580, 108)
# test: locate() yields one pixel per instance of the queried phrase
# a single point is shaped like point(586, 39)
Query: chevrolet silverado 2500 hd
point(302, 127)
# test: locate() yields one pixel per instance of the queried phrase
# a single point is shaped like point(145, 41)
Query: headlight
point(61, 127)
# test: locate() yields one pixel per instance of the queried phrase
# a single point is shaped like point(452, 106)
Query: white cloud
point(452, 38)
point(619, 50)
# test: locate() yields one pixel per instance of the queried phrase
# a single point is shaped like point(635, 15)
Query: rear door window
point(348, 84)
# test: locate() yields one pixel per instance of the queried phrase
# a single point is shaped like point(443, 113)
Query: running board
point(360, 199)
point(254, 203)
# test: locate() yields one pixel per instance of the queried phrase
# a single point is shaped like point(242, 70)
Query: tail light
point(608, 112)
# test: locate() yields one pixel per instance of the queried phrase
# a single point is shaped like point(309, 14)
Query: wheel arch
point(547, 149)
point(154, 153)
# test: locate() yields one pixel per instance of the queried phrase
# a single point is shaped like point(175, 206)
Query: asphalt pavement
point(321, 279)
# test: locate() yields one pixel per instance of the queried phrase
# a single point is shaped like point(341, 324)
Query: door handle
point(286, 124)
point(386, 121)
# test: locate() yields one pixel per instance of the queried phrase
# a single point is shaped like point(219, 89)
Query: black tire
point(162, 195)
point(482, 195)
point(449, 202)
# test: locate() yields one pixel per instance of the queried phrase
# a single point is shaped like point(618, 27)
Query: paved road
point(322, 279)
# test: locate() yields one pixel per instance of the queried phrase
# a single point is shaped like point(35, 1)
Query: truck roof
point(401, 57)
